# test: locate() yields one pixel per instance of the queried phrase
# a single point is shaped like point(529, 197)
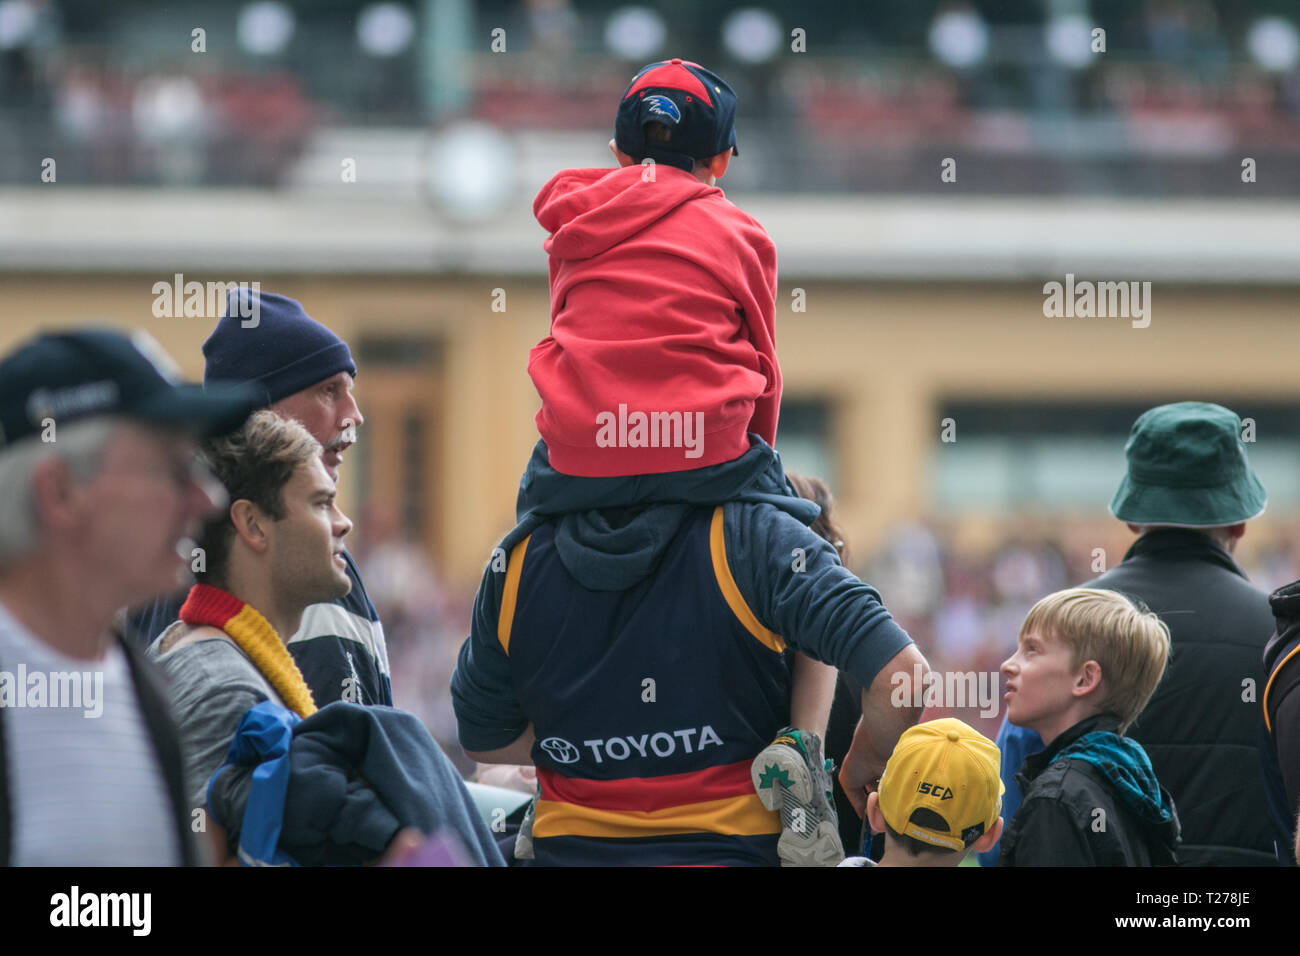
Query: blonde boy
point(1086, 663)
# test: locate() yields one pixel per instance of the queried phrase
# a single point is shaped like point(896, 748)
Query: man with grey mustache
point(306, 373)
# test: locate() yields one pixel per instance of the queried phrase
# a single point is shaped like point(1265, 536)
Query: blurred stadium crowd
point(876, 95)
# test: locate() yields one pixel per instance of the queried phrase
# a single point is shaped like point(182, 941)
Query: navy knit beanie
point(269, 339)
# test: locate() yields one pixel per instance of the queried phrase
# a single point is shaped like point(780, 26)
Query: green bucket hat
point(1187, 467)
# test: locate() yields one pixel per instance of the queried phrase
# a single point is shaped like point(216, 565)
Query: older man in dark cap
point(1188, 493)
point(100, 492)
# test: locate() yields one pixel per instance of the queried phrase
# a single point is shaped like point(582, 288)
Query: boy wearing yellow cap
point(940, 797)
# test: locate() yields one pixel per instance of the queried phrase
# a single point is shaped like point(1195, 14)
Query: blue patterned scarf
point(1126, 765)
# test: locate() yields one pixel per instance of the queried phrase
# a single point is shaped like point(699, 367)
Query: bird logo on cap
point(660, 105)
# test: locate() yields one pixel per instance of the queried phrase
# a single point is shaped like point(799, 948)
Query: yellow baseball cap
point(942, 784)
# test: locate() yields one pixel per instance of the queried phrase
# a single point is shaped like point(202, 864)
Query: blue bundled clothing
point(341, 788)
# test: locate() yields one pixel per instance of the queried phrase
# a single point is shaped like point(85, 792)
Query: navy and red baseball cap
point(697, 106)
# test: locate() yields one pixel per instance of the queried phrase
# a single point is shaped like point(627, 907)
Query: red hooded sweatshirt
point(662, 352)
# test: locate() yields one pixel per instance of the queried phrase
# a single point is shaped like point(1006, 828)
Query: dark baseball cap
point(696, 105)
point(81, 373)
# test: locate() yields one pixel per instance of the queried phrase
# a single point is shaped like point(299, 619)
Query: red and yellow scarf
point(254, 635)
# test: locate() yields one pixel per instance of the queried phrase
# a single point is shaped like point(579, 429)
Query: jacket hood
point(610, 555)
point(604, 556)
point(1285, 605)
point(1126, 765)
point(587, 211)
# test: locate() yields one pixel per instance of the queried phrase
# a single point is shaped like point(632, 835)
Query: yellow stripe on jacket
point(735, 600)
point(733, 816)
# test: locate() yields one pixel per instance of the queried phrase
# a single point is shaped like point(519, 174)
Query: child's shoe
point(790, 775)
point(524, 838)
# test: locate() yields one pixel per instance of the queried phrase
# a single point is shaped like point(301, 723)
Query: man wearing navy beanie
point(284, 349)
point(306, 373)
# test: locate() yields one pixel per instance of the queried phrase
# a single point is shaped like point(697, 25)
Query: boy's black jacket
point(1072, 815)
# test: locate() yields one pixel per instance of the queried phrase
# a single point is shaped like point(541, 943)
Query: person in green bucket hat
point(1187, 493)
point(1187, 468)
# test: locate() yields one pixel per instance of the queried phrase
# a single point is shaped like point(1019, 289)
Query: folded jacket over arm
point(357, 775)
